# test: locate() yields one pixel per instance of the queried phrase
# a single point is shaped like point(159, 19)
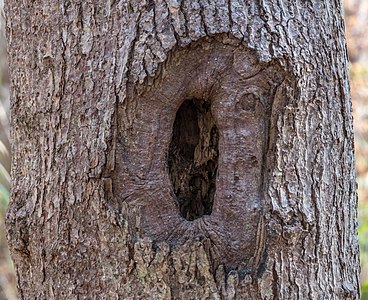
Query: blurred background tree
point(356, 18)
point(7, 278)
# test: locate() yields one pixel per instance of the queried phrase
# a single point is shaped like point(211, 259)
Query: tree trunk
point(181, 150)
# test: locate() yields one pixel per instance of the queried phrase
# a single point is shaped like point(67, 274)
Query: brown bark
point(111, 200)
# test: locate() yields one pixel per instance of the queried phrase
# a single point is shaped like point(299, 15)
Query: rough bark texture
point(96, 87)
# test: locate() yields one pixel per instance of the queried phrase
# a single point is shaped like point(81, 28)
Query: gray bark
point(96, 211)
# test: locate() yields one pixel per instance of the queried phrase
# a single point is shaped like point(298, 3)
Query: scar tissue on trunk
point(193, 146)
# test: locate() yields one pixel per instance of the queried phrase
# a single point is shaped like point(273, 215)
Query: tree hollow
point(193, 158)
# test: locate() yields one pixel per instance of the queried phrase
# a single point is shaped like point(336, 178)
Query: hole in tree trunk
point(193, 158)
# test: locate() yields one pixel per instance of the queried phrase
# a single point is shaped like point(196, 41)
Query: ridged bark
point(82, 72)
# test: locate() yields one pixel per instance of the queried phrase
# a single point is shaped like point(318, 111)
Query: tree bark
point(119, 191)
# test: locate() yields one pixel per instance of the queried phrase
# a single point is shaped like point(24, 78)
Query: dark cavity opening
point(193, 158)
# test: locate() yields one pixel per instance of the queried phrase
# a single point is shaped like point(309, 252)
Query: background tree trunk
point(93, 213)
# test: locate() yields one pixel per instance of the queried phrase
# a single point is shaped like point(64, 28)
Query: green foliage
point(363, 241)
point(364, 291)
point(4, 198)
point(359, 72)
